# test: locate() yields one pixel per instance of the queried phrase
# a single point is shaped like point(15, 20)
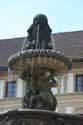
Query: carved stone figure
point(38, 94)
point(39, 33)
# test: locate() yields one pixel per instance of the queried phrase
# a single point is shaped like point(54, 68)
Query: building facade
point(69, 92)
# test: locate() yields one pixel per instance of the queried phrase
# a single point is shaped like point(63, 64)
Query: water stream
point(9, 74)
point(24, 42)
point(53, 43)
point(37, 38)
point(32, 63)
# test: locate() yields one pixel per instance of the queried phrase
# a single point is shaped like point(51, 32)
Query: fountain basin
point(35, 59)
point(39, 117)
point(43, 117)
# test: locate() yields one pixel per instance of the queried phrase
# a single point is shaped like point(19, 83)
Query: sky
point(17, 15)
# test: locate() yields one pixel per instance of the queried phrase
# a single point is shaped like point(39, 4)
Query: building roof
point(9, 47)
point(69, 43)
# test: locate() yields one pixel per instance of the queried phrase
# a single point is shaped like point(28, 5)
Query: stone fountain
point(38, 63)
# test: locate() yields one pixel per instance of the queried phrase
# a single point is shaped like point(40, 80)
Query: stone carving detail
point(38, 90)
point(11, 118)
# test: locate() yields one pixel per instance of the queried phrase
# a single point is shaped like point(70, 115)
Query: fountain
point(38, 64)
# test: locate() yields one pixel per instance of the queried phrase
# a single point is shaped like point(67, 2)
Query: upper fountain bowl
point(34, 59)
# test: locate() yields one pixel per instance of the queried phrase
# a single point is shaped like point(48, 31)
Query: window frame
point(6, 89)
point(81, 86)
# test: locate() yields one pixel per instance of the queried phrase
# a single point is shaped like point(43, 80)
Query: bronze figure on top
point(39, 33)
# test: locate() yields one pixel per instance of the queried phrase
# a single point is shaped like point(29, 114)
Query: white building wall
point(70, 84)
point(19, 88)
point(2, 86)
point(69, 110)
point(62, 85)
point(54, 90)
point(56, 110)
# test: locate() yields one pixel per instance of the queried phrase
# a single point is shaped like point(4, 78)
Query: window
point(79, 83)
point(11, 89)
